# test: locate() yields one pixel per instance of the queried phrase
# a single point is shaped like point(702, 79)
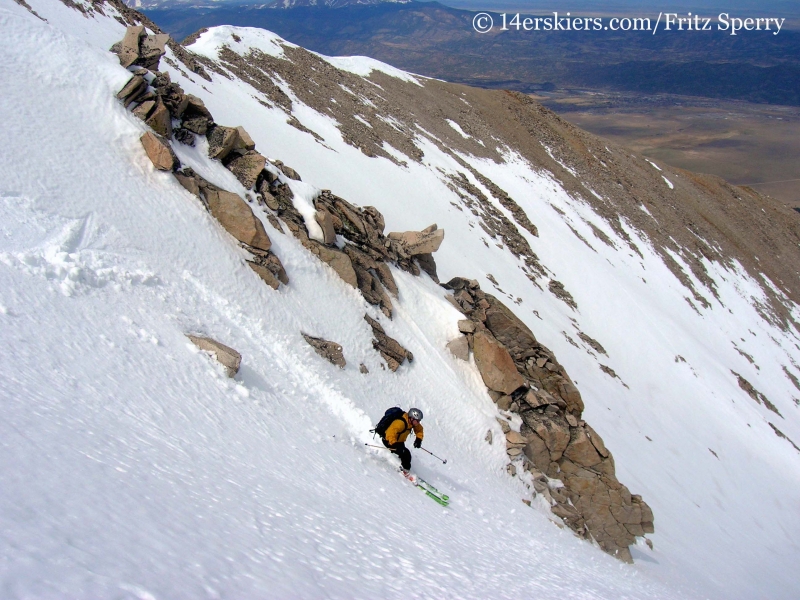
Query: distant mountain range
point(439, 41)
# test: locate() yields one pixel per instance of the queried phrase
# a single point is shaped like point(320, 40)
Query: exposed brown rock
point(330, 351)
point(265, 274)
point(129, 47)
point(755, 394)
point(495, 364)
point(419, 242)
point(160, 120)
point(325, 220)
point(245, 141)
point(151, 49)
point(135, 87)
point(196, 117)
point(237, 218)
point(427, 264)
point(459, 347)
point(337, 260)
point(143, 110)
point(247, 168)
point(159, 152)
point(389, 348)
point(270, 262)
point(225, 355)
point(581, 451)
point(221, 140)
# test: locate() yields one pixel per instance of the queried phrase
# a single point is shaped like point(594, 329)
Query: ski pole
point(432, 454)
point(378, 447)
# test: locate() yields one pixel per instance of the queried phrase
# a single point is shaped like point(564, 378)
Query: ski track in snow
point(132, 467)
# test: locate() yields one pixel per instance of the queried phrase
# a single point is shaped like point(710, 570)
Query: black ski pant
point(404, 453)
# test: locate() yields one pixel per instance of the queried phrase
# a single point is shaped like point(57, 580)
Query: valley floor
point(747, 144)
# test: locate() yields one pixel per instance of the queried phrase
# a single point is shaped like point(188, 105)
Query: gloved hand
point(418, 443)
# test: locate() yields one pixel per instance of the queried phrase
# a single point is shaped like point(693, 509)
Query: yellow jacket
point(400, 428)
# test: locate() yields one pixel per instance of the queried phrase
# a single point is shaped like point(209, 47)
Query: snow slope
point(132, 467)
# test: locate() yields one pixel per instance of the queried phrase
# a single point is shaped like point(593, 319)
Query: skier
point(397, 432)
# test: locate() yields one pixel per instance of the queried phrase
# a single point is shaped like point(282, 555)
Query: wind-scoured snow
point(132, 467)
point(211, 41)
point(364, 65)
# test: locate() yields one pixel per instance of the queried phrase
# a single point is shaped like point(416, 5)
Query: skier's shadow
point(639, 555)
point(436, 477)
point(251, 379)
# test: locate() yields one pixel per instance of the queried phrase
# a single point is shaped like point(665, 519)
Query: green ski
point(432, 492)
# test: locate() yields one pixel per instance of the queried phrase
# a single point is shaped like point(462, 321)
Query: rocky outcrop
point(391, 351)
point(330, 351)
point(226, 356)
point(157, 101)
point(568, 461)
point(364, 257)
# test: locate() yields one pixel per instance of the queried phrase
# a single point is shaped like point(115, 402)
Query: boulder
point(369, 284)
point(226, 356)
point(160, 120)
point(136, 86)
point(196, 107)
point(325, 220)
point(247, 168)
point(245, 141)
point(290, 173)
point(143, 110)
point(419, 242)
point(459, 347)
point(337, 260)
point(375, 219)
point(237, 218)
point(330, 351)
point(159, 152)
point(515, 438)
point(466, 326)
point(266, 275)
point(221, 141)
point(191, 181)
point(129, 47)
point(495, 364)
point(196, 117)
point(151, 49)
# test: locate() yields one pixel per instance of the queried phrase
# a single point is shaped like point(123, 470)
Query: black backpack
point(389, 417)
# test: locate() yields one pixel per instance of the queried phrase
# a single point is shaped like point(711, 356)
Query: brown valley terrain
point(748, 144)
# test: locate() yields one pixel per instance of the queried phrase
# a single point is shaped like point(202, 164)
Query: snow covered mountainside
point(133, 467)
